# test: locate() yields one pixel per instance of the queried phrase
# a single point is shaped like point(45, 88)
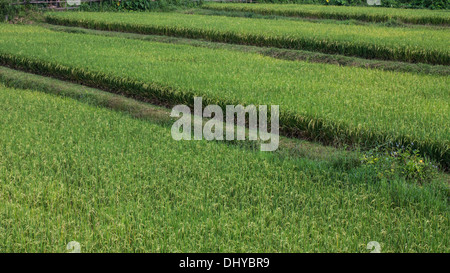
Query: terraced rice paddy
point(373, 42)
point(355, 105)
point(96, 163)
point(114, 183)
point(370, 14)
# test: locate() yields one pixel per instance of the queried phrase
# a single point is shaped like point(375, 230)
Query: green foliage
point(394, 160)
point(328, 103)
point(370, 14)
point(113, 183)
point(8, 10)
point(140, 5)
point(371, 42)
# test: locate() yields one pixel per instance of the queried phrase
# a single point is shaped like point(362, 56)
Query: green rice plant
point(327, 103)
point(70, 171)
point(370, 14)
point(371, 42)
point(279, 53)
point(339, 158)
point(405, 4)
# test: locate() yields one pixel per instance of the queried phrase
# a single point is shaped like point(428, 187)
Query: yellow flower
point(328, 1)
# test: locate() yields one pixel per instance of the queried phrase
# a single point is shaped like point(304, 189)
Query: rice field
point(352, 105)
point(369, 14)
point(87, 153)
point(278, 53)
point(117, 184)
point(372, 42)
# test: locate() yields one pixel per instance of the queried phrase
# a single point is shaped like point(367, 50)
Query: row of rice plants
point(369, 14)
point(278, 53)
point(330, 103)
point(73, 171)
point(372, 42)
